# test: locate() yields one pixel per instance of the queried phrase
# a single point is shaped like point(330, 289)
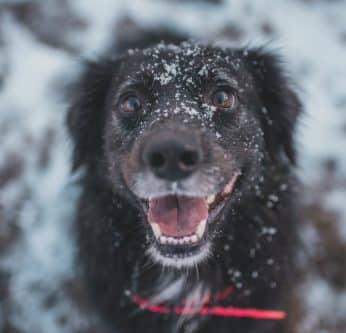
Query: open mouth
point(180, 223)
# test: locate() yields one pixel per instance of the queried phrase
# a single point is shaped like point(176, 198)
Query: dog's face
point(185, 137)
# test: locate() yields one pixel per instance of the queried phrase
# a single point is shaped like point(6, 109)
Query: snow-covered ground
point(40, 42)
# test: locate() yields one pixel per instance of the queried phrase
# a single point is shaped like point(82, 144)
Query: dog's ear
point(280, 104)
point(86, 113)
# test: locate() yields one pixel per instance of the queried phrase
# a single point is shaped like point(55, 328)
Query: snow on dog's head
point(184, 136)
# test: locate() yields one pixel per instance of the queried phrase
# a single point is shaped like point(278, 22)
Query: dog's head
point(183, 132)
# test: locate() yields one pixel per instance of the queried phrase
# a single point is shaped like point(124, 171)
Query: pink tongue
point(177, 216)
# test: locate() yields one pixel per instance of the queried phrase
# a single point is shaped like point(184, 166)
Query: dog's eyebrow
point(130, 82)
point(142, 80)
point(219, 75)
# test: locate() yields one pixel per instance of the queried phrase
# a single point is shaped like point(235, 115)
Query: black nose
point(172, 158)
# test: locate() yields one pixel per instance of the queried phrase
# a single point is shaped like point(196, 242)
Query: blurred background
point(40, 46)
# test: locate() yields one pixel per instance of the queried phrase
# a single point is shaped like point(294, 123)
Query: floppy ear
point(280, 104)
point(86, 114)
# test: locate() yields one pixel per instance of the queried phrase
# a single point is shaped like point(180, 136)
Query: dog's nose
point(172, 158)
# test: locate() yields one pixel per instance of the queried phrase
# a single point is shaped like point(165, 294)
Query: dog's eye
point(224, 99)
point(131, 104)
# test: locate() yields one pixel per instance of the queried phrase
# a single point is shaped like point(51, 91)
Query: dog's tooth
point(186, 240)
point(201, 228)
point(181, 241)
point(175, 241)
point(210, 199)
point(194, 238)
point(170, 240)
point(163, 240)
point(156, 230)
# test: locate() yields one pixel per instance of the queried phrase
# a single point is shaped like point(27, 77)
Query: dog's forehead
point(168, 63)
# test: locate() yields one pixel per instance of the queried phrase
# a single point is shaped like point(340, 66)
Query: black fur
point(255, 237)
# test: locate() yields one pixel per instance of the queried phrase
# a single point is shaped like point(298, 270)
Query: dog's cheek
point(118, 149)
point(130, 162)
point(128, 169)
point(243, 137)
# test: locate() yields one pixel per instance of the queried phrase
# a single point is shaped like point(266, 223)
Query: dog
point(187, 216)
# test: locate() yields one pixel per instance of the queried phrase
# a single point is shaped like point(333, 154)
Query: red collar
point(221, 311)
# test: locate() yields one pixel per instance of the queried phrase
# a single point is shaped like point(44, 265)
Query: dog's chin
point(181, 226)
point(188, 257)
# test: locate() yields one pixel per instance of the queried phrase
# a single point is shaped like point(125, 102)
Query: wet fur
point(253, 253)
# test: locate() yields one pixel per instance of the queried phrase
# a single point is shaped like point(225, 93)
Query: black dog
point(186, 220)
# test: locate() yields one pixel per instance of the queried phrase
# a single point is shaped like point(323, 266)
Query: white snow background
point(40, 43)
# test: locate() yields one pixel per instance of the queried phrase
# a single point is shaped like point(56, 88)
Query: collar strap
point(220, 311)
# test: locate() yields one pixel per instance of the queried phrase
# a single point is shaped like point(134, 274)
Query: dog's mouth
point(180, 223)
